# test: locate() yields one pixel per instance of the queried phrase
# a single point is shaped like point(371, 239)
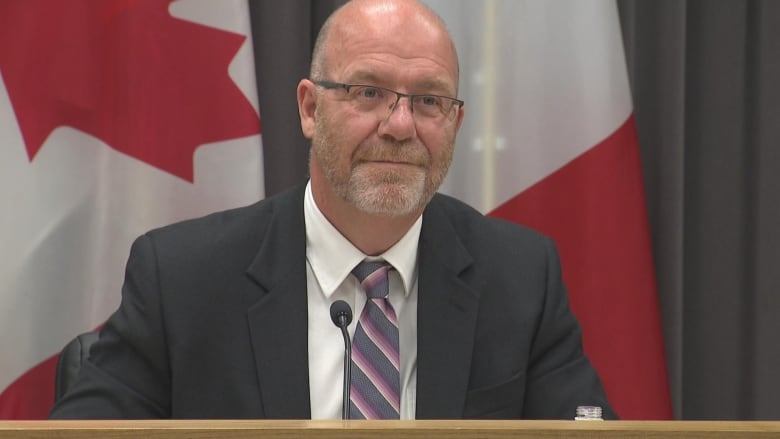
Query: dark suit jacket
point(213, 323)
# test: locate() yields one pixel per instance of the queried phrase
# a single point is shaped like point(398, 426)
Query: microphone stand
point(347, 370)
point(341, 315)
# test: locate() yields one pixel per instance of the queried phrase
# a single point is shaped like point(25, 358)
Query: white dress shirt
point(330, 258)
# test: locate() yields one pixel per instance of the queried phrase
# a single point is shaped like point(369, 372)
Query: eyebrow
point(364, 75)
point(436, 86)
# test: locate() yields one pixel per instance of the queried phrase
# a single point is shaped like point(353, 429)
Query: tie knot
point(373, 277)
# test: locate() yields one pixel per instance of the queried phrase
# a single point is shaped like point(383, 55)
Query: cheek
point(354, 138)
point(348, 129)
point(440, 143)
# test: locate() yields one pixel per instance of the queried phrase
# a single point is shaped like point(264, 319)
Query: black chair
point(69, 363)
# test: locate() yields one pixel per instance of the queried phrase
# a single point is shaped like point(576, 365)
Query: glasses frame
point(331, 85)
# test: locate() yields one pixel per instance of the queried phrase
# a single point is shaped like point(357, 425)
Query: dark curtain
point(283, 34)
point(707, 100)
point(705, 83)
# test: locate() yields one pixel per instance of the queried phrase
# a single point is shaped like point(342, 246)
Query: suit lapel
point(278, 313)
point(446, 319)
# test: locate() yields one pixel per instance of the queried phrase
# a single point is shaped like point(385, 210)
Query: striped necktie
point(375, 391)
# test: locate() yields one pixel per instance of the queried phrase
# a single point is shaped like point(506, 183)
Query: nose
point(399, 123)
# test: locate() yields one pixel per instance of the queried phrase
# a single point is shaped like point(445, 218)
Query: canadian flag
point(116, 116)
point(549, 141)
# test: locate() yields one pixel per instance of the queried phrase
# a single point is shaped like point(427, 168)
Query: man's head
point(374, 149)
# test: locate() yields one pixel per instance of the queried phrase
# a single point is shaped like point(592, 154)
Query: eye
point(366, 93)
point(430, 100)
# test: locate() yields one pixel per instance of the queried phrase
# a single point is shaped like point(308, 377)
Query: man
point(227, 316)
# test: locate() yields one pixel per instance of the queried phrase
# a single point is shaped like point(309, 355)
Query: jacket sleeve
point(127, 373)
point(560, 376)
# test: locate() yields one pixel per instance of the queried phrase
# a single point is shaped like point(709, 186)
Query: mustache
point(400, 152)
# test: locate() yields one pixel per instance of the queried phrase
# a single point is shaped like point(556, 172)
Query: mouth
point(390, 163)
point(393, 157)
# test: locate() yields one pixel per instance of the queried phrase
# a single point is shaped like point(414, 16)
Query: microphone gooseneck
point(341, 314)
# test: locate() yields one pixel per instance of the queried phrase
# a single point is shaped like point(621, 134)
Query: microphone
point(341, 314)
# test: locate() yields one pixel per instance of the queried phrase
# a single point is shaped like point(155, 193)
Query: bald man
point(227, 316)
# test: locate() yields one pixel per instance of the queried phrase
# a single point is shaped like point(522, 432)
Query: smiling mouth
point(389, 163)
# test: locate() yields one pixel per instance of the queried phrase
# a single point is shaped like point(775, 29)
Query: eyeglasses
point(370, 98)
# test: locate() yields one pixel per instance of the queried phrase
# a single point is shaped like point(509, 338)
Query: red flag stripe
point(31, 395)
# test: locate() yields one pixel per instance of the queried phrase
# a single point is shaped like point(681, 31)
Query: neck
point(371, 234)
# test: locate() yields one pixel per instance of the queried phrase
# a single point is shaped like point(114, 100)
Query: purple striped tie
point(375, 391)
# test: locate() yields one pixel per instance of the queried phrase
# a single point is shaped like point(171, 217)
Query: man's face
point(389, 161)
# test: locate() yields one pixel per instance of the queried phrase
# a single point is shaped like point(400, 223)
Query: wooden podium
point(201, 429)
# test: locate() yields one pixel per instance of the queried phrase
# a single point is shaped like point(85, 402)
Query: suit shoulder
point(471, 225)
point(241, 225)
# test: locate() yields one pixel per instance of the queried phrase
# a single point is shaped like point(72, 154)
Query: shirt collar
point(332, 257)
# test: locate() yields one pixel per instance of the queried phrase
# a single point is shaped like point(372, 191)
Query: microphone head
point(340, 313)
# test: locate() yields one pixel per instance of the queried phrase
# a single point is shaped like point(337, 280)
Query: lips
point(410, 158)
point(390, 164)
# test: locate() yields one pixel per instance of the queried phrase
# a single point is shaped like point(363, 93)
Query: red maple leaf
point(152, 86)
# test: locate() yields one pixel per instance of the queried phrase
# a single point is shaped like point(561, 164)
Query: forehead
point(392, 45)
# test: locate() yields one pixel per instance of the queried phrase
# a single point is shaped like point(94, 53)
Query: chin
point(392, 200)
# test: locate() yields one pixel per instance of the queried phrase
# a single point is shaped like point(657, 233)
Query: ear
point(307, 103)
point(461, 113)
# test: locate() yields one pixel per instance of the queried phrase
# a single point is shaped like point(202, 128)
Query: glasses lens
point(368, 98)
point(433, 106)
